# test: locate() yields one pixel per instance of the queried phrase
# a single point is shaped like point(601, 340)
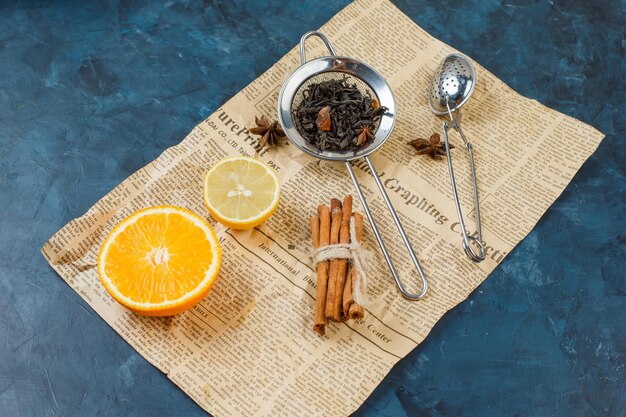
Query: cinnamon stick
point(342, 264)
point(335, 225)
point(320, 229)
point(356, 311)
point(348, 299)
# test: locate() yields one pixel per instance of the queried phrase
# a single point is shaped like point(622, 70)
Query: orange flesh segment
point(161, 257)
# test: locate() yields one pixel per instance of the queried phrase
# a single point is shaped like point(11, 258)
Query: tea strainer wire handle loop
point(467, 247)
point(381, 243)
point(467, 238)
point(307, 36)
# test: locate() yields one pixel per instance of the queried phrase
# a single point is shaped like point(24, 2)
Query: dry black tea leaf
point(433, 146)
point(271, 133)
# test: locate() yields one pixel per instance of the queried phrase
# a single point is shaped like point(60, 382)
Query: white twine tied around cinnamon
point(352, 251)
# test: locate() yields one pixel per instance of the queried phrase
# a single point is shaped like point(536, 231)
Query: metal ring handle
point(381, 243)
point(467, 247)
point(308, 35)
point(480, 256)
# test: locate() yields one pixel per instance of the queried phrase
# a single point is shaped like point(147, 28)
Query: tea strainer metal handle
point(370, 82)
point(451, 88)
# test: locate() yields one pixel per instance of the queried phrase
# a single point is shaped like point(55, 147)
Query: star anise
point(364, 134)
point(433, 146)
point(271, 133)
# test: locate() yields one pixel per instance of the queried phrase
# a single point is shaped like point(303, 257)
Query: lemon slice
point(241, 192)
point(160, 261)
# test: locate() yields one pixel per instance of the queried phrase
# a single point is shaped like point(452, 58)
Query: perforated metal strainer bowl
point(371, 83)
point(453, 85)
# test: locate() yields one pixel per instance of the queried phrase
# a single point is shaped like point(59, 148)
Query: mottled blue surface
point(89, 93)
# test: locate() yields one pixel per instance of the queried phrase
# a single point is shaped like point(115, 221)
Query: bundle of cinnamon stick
point(336, 277)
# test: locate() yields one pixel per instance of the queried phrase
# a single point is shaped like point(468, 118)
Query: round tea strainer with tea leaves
point(370, 83)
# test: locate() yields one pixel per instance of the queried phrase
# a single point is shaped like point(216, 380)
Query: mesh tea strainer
point(369, 82)
point(452, 86)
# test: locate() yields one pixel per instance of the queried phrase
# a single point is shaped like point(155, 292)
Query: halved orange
point(160, 261)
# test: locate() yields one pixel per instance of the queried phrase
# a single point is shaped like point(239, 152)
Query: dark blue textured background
point(89, 93)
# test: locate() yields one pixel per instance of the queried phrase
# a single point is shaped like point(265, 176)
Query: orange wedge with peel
point(160, 261)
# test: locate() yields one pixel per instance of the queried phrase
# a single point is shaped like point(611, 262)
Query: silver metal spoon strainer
point(451, 88)
point(368, 81)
